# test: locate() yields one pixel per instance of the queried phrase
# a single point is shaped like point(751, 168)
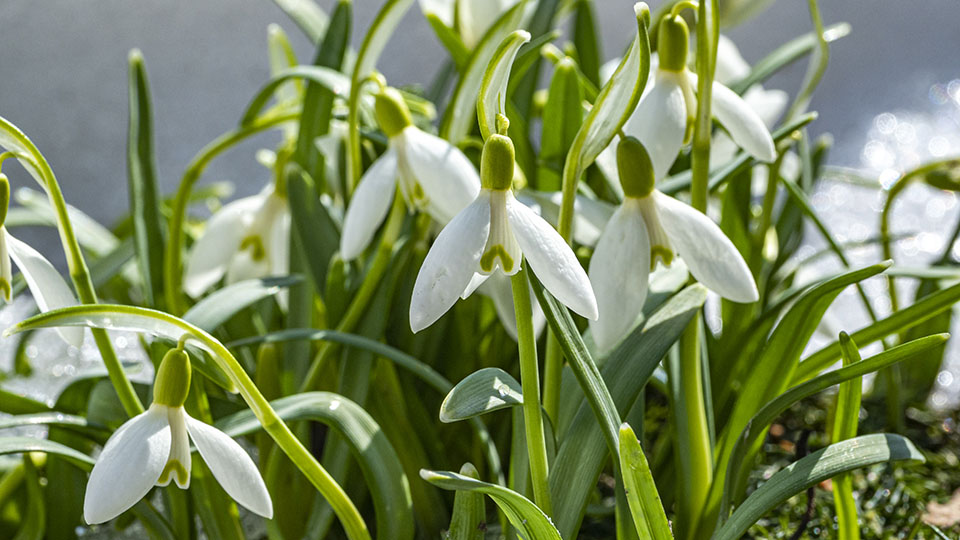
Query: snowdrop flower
point(246, 239)
point(649, 226)
point(432, 174)
point(49, 290)
point(663, 117)
point(153, 448)
point(470, 18)
point(493, 234)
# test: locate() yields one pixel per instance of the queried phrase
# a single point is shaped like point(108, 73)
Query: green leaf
point(587, 42)
point(44, 419)
point(562, 117)
point(90, 234)
point(846, 416)
point(308, 16)
point(583, 451)
point(642, 494)
point(798, 476)
point(217, 308)
point(615, 103)
point(483, 391)
point(318, 234)
point(469, 514)
point(461, 112)
point(328, 78)
point(774, 408)
point(19, 445)
point(389, 487)
point(451, 41)
point(492, 99)
point(531, 523)
point(899, 321)
point(33, 527)
point(148, 232)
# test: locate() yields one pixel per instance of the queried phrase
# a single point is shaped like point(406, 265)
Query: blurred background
point(890, 98)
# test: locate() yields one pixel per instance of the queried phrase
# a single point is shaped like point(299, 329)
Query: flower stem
point(530, 383)
point(552, 376)
point(358, 305)
point(172, 268)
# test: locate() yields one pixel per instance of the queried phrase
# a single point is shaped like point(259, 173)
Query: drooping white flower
point(432, 174)
point(153, 448)
point(664, 115)
point(495, 233)
point(648, 226)
point(247, 238)
point(470, 18)
point(47, 287)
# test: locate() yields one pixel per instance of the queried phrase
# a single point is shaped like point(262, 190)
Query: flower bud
point(635, 168)
point(393, 115)
point(172, 383)
point(496, 163)
point(672, 43)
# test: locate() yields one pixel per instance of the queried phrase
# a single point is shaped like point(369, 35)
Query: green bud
point(4, 198)
point(635, 168)
point(672, 43)
point(496, 163)
point(393, 115)
point(172, 383)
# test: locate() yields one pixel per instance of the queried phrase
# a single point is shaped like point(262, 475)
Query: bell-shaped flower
point(153, 448)
point(432, 174)
point(470, 18)
point(493, 234)
point(246, 239)
point(664, 116)
point(48, 288)
point(650, 226)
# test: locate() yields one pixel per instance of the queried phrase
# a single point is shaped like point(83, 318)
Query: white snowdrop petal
point(369, 206)
point(129, 465)
point(211, 254)
point(731, 67)
point(231, 466)
point(619, 271)
point(768, 104)
point(660, 122)
point(46, 285)
point(745, 127)
point(552, 260)
point(477, 16)
point(476, 281)
point(450, 264)
point(179, 450)
point(448, 179)
point(499, 289)
point(711, 257)
point(442, 9)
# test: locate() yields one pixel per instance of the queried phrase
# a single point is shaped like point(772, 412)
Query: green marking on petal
point(492, 254)
point(663, 253)
point(5, 289)
point(174, 467)
point(255, 244)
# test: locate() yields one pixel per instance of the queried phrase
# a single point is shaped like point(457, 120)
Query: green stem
point(530, 383)
point(552, 377)
point(172, 274)
point(707, 36)
point(358, 305)
point(696, 464)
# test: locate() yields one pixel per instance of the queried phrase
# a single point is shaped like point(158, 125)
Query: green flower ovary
point(672, 43)
point(635, 168)
point(393, 115)
point(172, 383)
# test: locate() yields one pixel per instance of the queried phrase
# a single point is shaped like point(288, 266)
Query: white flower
point(497, 288)
point(153, 448)
point(495, 232)
point(248, 238)
point(665, 111)
point(471, 18)
point(648, 226)
point(433, 175)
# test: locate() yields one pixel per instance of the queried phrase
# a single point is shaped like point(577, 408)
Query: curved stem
point(530, 383)
point(172, 275)
point(358, 305)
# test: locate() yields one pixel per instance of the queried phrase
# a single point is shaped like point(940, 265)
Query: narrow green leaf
point(451, 41)
point(461, 112)
point(308, 16)
point(19, 445)
point(33, 525)
point(148, 232)
point(217, 308)
point(328, 78)
point(846, 416)
point(483, 391)
point(469, 515)
point(44, 419)
point(562, 117)
point(587, 41)
point(389, 487)
point(531, 523)
point(90, 234)
point(835, 459)
point(317, 232)
point(492, 99)
point(648, 514)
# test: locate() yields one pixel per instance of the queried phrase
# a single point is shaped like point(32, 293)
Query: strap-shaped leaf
point(648, 514)
point(485, 390)
point(217, 308)
point(835, 459)
point(328, 78)
point(531, 523)
point(19, 445)
point(493, 88)
point(308, 16)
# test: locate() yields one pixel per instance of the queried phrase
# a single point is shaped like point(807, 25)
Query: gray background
point(63, 74)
